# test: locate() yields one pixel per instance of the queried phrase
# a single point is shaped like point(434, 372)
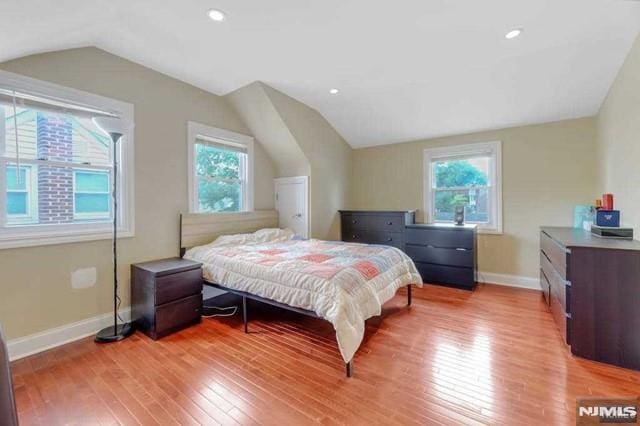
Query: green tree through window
point(220, 175)
point(460, 182)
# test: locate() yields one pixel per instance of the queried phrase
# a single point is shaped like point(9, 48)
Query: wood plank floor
point(488, 357)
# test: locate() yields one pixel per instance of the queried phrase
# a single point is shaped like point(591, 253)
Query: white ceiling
point(406, 70)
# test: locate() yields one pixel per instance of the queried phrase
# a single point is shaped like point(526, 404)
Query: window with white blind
point(56, 165)
point(465, 175)
point(220, 170)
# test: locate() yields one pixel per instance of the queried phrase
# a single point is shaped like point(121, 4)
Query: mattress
point(343, 283)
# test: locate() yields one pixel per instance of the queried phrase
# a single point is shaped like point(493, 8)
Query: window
point(56, 165)
point(221, 175)
point(91, 195)
point(21, 195)
point(468, 175)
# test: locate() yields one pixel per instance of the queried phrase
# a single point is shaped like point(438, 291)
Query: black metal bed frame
point(245, 314)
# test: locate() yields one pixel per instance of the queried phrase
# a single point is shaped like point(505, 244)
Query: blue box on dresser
point(610, 218)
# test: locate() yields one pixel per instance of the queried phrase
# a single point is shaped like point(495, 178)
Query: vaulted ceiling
point(406, 70)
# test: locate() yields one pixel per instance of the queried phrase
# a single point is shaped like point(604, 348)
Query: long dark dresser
point(592, 287)
point(443, 253)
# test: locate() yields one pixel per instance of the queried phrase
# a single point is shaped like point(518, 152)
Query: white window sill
point(490, 231)
point(480, 228)
point(34, 240)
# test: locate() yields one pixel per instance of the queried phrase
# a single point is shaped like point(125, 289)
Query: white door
point(292, 195)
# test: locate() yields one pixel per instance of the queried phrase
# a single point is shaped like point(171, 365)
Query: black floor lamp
point(115, 128)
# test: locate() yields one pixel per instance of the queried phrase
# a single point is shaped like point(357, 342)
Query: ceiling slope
point(408, 70)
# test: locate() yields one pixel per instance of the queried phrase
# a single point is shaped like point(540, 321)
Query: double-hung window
point(465, 175)
point(57, 166)
point(221, 170)
point(91, 194)
point(22, 197)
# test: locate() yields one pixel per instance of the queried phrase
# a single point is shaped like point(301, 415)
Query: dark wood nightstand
point(166, 295)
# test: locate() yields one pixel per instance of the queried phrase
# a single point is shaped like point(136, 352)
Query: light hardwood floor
point(488, 357)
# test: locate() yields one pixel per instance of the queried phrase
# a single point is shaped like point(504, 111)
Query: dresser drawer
point(556, 254)
point(352, 222)
point(439, 238)
point(558, 312)
point(557, 285)
point(431, 273)
point(354, 236)
point(387, 223)
point(546, 287)
point(394, 239)
point(175, 315)
point(442, 256)
point(178, 285)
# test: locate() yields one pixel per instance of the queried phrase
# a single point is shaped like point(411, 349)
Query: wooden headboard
point(197, 229)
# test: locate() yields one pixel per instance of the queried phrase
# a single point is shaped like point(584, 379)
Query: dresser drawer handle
point(389, 240)
point(389, 223)
point(355, 237)
point(354, 221)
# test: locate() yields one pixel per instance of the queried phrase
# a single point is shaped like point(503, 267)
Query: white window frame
point(12, 236)
point(494, 149)
point(221, 136)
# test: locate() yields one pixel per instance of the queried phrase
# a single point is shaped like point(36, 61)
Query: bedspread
point(343, 283)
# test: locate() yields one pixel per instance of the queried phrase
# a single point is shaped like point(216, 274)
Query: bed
point(343, 283)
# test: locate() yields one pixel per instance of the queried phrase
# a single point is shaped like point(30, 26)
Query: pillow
point(267, 235)
point(272, 235)
point(233, 240)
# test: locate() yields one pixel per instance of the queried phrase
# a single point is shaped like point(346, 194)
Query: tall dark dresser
point(592, 287)
point(443, 253)
point(376, 226)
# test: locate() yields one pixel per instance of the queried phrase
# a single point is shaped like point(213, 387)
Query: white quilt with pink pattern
point(344, 283)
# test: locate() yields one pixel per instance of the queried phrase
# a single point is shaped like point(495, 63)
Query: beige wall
point(619, 141)
point(36, 290)
point(330, 158)
point(257, 111)
point(547, 169)
point(301, 143)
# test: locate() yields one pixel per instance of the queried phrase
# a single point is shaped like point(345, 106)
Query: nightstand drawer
point(178, 285)
point(175, 315)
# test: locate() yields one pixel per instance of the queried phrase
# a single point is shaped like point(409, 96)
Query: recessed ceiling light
point(513, 33)
point(216, 15)
point(334, 91)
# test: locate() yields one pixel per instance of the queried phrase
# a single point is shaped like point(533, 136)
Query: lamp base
point(109, 334)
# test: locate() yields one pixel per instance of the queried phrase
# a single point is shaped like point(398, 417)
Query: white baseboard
point(48, 339)
point(510, 280)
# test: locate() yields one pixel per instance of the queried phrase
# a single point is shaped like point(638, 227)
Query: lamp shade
point(113, 126)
